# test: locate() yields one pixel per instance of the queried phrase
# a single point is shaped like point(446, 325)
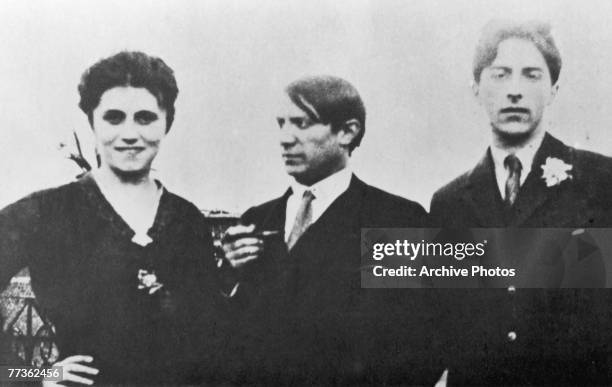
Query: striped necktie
point(303, 219)
point(513, 183)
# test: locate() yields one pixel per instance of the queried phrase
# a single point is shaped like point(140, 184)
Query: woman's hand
point(73, 364)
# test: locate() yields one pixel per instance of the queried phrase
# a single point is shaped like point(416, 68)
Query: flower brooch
point(148, 281)
point(555, 171)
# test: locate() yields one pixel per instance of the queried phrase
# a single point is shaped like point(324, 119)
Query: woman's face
point(129, 126)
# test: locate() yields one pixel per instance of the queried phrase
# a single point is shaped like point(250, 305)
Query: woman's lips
point(129, 148)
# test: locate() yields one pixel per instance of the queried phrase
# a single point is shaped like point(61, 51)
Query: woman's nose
point(129, 133)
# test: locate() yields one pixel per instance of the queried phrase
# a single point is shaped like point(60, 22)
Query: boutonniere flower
point(555, 171)
point(149, 281)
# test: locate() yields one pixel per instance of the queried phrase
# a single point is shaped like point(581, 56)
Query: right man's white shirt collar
point(525, 154)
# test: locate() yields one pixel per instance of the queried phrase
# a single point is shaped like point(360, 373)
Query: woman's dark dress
point(84, 269)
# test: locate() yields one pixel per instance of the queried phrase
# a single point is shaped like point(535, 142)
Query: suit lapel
point(340, 220)
point(483, 194)
point(327, 244)
point(534, 192)
point(275, 218)
point(340, 217)
point(343, 214)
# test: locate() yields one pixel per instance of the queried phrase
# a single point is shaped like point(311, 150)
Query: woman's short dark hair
point(537, 32)
point(329, 100)
point(129, 68)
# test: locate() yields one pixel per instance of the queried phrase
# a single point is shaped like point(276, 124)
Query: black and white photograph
point(233, 193)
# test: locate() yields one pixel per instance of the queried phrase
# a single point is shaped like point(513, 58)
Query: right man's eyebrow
point(498, 67)
point(532, 68)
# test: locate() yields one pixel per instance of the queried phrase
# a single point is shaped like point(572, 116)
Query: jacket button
point(511, 336)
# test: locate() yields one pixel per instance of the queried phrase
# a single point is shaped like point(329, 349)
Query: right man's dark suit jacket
point(309, 321)
point(562, 336)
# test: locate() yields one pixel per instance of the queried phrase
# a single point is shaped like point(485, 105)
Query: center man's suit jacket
point(309, 320)
point(531, 336)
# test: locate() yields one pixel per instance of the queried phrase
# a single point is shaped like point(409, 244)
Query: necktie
point(303, 219)
point(513, 164)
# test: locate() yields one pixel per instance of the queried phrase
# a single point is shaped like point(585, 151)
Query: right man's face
point(515, 89)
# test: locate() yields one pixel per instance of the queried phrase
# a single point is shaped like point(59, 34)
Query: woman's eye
point(145, 117)
point(114, 117)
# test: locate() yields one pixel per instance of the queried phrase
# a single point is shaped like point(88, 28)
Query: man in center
point(298, 255)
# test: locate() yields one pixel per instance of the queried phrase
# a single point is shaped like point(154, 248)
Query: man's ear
point(348, 132)
point(553, 92)
point(475, 88)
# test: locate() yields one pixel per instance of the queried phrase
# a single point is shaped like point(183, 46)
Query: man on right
point(527, 178)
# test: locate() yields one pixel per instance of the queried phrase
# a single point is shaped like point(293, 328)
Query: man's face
point(129, 126)
point(515, 89)
point(310, 150)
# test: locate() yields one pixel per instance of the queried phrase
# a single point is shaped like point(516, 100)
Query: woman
point(122, 267)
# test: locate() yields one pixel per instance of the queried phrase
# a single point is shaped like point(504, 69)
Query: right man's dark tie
point(303, 219)
point(513, 184)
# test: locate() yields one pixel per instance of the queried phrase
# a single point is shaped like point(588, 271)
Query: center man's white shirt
point(324, 191)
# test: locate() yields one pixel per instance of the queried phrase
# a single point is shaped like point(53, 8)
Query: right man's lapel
point(534, 193)
point(483, 195)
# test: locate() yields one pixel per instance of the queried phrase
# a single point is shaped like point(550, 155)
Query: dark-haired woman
point(122, 267)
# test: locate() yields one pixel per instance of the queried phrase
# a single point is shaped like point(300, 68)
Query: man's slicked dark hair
point(329, 100)
point(129, 68)
point(537, 32)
